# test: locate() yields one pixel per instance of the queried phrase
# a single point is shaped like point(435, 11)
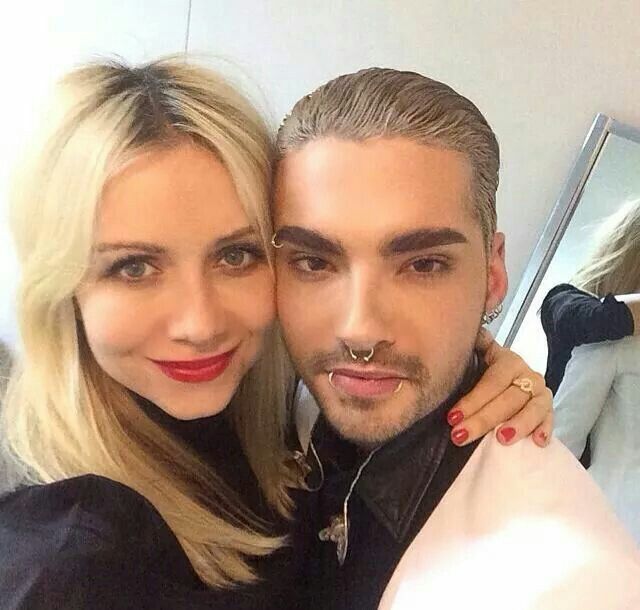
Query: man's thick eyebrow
point(150, 248)
point(421, 239)
point(311, 240)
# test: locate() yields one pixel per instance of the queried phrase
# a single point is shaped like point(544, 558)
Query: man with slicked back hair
point(388, 262)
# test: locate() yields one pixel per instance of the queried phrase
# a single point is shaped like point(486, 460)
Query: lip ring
point(331, 380)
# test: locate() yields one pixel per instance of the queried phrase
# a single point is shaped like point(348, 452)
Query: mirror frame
point(559, 220)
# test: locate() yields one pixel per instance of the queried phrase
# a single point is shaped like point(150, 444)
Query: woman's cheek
point(113, 323)
point(258, 311)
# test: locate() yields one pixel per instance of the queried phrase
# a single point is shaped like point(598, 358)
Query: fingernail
point(542, 435)
point(455, 417)
point(507, 433)
point(460, 436)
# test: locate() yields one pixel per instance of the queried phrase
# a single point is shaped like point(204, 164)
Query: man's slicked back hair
point(387, 103)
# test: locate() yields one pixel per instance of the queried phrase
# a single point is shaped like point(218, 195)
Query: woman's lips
point(195, 371)
point(366, 384)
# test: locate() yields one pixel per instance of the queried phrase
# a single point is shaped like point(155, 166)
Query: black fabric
point(571, 317)
point(395, 495)
point(91, 543)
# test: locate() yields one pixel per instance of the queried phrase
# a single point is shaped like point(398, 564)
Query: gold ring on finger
point(525, 384)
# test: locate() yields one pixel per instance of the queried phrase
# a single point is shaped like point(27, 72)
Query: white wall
point(41, 39)
point(539, 70)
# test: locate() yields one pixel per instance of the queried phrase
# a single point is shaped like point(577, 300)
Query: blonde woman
point(598, 397)
point(146, 411)
point(602, 303)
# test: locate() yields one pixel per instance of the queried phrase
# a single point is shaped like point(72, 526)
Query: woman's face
point(179, 294)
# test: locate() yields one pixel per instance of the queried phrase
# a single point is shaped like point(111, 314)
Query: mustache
point(411, 366)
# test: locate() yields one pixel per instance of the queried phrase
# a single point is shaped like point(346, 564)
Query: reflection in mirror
point(576, 312)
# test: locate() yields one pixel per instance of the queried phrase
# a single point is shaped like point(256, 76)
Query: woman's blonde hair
point(614, 263)
point(63, 415)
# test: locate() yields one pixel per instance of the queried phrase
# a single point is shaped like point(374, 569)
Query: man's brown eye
point(310, 263)
point(425, 265)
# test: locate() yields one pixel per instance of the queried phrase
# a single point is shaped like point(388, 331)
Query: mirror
point(605, 176)
point(594, 229)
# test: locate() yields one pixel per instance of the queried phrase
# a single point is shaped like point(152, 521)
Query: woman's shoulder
point(83, 542)
point(99, 506)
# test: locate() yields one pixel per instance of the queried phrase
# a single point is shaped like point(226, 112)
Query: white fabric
point(305, 414)
point(600, 393)
point(520, 529)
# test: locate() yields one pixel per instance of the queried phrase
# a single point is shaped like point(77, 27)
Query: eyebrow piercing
point(274, 243)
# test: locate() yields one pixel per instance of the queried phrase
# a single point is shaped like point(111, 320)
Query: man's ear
point(497, 281)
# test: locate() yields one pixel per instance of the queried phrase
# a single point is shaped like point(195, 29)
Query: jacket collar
point(398, 476)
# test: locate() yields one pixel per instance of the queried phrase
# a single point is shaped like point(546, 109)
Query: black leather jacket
point(371, 505)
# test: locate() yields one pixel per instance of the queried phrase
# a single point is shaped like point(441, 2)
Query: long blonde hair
point(63, 415)
point(613, 265)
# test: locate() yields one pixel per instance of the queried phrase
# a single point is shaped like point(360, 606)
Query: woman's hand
point(497, 400)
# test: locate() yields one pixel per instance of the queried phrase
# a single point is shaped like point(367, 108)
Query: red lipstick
point(195, 371)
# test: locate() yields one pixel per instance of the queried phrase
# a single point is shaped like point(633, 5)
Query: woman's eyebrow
point(129, 245)
point(150, 248)
point(421, 239)
point(233, 237)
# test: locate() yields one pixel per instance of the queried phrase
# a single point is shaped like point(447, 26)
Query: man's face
point(381, 250)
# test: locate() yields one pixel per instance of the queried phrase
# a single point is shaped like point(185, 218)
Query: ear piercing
point(490, 316)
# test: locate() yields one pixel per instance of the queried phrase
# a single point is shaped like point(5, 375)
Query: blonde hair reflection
point(63, 415)
point(613, 265)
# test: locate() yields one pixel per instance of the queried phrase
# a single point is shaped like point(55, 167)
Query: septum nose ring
point(355, 355)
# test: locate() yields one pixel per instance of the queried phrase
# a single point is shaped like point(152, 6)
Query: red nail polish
point(542, 435)
point(455, 417)
point(507, 433)
point(460, 436)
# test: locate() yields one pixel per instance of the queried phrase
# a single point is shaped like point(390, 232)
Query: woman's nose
point(199, 316)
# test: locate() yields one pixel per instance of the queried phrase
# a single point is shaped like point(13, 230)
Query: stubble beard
point(369, 423)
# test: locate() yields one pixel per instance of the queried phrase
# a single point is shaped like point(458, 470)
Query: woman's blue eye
point(134, 270)
point(131, 269)
point(235, 258)
point(241, 257)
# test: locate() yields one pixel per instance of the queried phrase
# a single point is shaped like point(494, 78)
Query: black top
point(571, 317)
point(90, 543)
point(396, 493)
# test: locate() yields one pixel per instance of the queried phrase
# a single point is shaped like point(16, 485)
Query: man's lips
point(366, 383)
point(194, 371)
